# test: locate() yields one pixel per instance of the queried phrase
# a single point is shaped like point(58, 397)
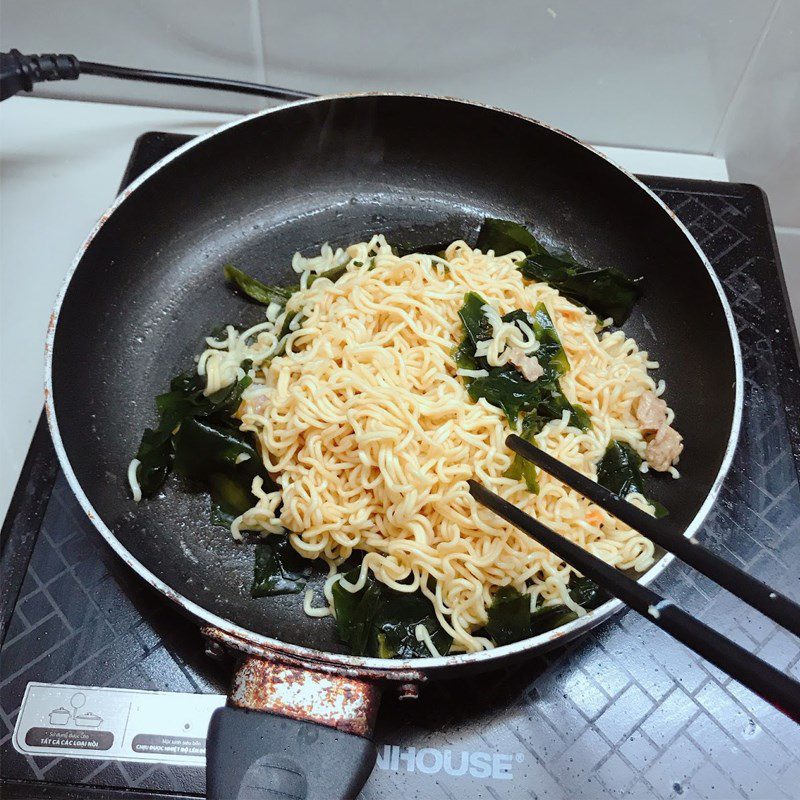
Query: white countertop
point(60, 165)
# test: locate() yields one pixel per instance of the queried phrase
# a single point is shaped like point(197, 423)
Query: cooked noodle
point(368, 430)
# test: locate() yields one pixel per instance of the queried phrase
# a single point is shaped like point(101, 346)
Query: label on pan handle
point(97, 722)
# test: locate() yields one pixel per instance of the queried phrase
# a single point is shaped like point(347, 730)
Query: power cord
point(19, 72)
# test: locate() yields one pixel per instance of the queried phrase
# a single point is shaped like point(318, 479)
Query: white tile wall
point(210, 38)
point(648, 73)
point(761, 135)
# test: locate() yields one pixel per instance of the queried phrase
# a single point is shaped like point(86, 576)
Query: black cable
point(197, 81)
point(19, 72)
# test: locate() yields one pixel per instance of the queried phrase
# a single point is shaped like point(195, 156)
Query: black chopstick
point(769, 683)
point(752, 591)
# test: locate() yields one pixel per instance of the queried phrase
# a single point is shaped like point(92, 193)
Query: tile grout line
point(257, 33)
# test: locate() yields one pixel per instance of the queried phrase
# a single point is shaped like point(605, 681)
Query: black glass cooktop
point(623, 712)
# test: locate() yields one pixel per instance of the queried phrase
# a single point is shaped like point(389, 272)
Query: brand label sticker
point(123, 724)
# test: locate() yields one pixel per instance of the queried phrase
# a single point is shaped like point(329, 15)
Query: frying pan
point(146, 287)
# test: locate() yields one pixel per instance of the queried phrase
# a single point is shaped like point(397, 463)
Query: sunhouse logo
point(458, 763)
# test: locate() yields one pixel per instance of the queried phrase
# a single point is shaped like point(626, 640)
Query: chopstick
point(760, 677)
point(752, 591)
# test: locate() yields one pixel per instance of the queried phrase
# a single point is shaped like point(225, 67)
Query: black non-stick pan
point(147, 286)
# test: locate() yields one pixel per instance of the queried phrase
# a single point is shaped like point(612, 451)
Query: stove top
point(624, 711)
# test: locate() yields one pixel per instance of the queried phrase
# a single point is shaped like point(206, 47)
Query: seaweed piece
point(255, 289)
point(382, 622)
point(278, 568)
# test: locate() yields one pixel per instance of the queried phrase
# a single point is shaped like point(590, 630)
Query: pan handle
point(291, 733)
point(252, 755)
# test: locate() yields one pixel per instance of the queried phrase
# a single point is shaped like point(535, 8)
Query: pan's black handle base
point(253, 755)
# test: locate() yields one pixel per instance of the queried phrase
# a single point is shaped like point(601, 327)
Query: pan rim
point(385, 668)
